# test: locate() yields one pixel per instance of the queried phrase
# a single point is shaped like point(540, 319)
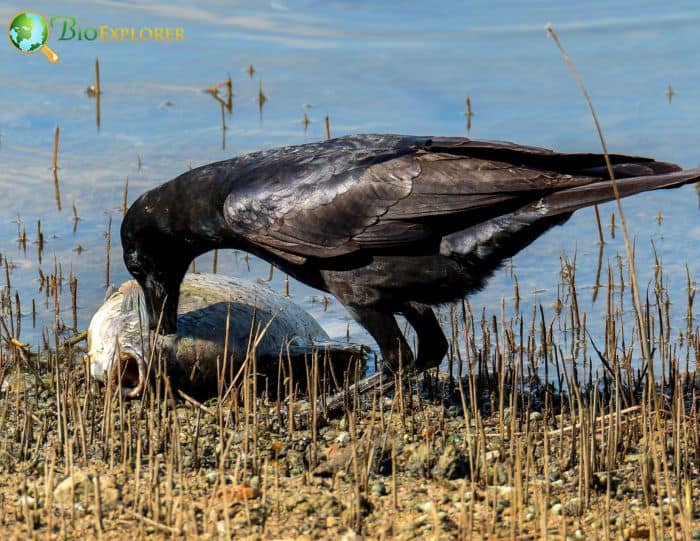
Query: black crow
point(387, 223)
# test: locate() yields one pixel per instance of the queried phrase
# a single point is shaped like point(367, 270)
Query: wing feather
point(383, 192)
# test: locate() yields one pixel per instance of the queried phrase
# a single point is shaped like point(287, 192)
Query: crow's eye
point(134, 264)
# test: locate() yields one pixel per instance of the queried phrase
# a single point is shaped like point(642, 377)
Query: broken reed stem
point(601, 239)
point(328, 127)
point(579, 80)
point(56, 136)
point(229, 90)
point(636, 298)
point(108, 249)
point(98, 93)
point(54, 166)
point(126, 195)
point(262, 98)
point(223, 127)
point(469, 114)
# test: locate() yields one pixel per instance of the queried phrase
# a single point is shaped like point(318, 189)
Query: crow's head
point(158, 259)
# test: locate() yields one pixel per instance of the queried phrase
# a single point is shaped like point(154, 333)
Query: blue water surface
point(402, 67)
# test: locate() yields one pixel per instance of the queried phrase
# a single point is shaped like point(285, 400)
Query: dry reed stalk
point(636, 297)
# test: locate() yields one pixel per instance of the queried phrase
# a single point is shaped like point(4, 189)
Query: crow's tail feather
point(571, 199)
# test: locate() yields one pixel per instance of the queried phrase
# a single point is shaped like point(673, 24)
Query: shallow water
point(372, 68)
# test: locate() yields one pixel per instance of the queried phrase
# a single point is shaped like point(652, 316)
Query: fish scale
point(194, 355)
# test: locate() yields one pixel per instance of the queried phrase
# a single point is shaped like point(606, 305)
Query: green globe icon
point(28, 32)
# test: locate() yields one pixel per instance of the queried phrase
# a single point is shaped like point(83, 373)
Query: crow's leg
point(389, 338)
point(432, 345)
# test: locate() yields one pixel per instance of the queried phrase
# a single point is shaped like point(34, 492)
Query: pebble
point(29, 501)
point(295, 462)
point(379, 489)
point(425, 507)
point(342, 438)
point(492, 456)
point(502, 490)
point(419, 461)
point(213, 477)
point(450, 465)
point(573, 507)
point(81, 486)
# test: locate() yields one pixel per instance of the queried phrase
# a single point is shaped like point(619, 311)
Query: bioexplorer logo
point(69, 29)
point(28, 32)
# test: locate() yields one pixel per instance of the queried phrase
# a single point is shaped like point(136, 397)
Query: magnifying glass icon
point(28, 33)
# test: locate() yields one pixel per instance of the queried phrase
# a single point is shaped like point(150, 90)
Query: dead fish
point(261, 323)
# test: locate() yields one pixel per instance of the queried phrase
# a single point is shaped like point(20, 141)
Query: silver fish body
point(261, 325)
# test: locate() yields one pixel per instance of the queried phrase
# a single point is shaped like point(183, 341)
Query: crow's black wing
point(394, 192)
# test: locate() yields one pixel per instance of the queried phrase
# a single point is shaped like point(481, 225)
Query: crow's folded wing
point(395, 198)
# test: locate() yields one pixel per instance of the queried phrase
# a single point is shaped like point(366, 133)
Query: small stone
point(330, 505)
point(81, 487)
point(419, 461)
point(450, 465)
point(294, 462)
point(425, 507)
point(573, 507)
point(337, 459)
point(503, 490)
point(366, 506)
point(350, 535)
point(600, 478)
point(342, 438)
point(492, 456)
point(27, 500)
point(379, 489)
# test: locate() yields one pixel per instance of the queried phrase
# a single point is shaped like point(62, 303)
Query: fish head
point(118, 341)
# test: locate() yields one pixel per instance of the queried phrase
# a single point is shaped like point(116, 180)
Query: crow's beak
point(161, 314)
